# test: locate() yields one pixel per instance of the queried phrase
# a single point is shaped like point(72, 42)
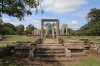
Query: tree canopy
point(92, 27)
point(18, 8)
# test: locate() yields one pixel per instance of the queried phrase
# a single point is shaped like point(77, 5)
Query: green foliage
point(71, 31)
point(93, 15)
point(18, 8)
point(92, 27)
point(7, 28)
point(49, 25)
point(93, 31)
point(89, 62)
point(29, 29)
point(13, 38)
point(20, 29)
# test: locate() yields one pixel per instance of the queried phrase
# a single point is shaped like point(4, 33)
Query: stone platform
point(51, 52)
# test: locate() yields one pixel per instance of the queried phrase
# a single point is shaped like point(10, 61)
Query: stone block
point(32, 53)
point(68, 52)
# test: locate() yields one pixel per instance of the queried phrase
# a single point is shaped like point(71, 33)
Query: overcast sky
point(71, 12)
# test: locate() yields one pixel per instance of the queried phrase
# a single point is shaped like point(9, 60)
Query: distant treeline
point(10, 29)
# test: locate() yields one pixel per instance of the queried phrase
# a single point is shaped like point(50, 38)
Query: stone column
point(53, 32)
point(66, 30)
point(57, 24)
point(46, 32)
point(37, 32)
point(60, 32)
point(34, 32)
point(42, 27)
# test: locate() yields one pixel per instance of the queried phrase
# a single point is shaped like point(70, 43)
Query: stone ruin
point(36, 34)
point(31, 50)
point(2, 38)
point(60, 51)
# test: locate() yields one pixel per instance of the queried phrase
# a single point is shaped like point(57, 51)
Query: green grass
point(92, 38)
point(89, 62)
point(12, 38)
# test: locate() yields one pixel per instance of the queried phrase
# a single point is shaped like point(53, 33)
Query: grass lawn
point(89, 62)
point(92, 38)
point(12, 38)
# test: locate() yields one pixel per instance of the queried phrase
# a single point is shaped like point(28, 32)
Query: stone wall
point(5, 52)
point(95, 50)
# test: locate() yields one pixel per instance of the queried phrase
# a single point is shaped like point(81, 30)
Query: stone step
point(47, 49)
point(50, 47)
point(49, 44)
point(73, 43)
point(49, 59)
point(50, 51)
point(78, 54)
point(50, 55)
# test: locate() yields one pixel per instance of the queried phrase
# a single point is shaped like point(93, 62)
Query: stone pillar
point(57, 24)
point(60, 32)
point(42, 27)
point(46, 32)
point(37, 31)
point(66, 30)
point(34, 32)
point(53, 32)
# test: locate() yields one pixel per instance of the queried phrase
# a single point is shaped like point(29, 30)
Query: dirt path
point(50, 40)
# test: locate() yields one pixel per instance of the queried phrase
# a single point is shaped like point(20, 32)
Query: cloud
point(30, 20)
point(26, 22)
point(36, 23)
point(73, 25)
point(81, 14)
point(74, 22)
point(62, 6)
point(6, 20)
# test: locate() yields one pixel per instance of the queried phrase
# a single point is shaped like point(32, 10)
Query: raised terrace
point(49, 47)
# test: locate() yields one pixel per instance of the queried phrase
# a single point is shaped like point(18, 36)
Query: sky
point(71, 12)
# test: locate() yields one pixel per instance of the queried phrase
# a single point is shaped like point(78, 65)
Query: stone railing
point(31, 53)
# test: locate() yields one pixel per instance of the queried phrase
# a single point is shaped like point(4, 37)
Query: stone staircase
point(51, 52)
point(77, 47)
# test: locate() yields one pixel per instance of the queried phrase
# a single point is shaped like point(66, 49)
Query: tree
point(7, 28)
point(93, 25)
point(29, 29)
point(1, 23)
point(93, 16)
point(18, 8)
point(50, 26)
point(70, 31)
point(20, 29)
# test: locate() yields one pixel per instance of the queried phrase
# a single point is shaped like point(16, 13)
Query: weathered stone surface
point(32, 53)
point(5, 52)
point(68, 52)
point(98, 52)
